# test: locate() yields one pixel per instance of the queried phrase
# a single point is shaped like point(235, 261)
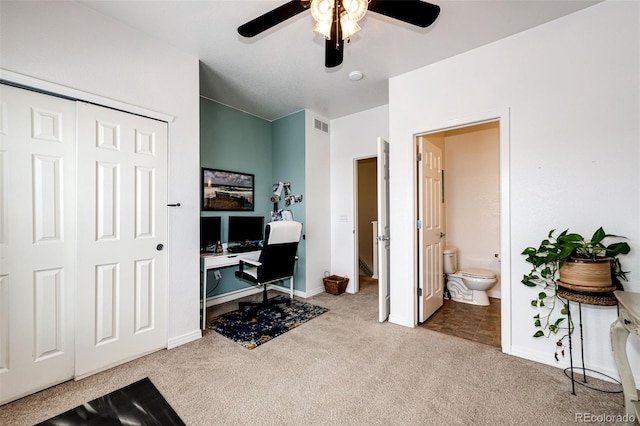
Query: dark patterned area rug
point(139, 403)
point(252, 330)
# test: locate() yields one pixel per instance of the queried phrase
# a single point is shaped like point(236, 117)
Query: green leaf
point(538, 334)
point(526, 280)
point(616, 249)
point(564, 311)
point(598, 236)
point(537, 323)
point(534, 303)
point(567, 250)
point(542, 295)
point(568, 238)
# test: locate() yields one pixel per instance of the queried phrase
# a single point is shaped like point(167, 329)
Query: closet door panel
point(37, 241)
point(123, 227)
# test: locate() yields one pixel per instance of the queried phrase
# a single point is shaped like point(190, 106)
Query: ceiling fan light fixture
point(348, 26)
point(351, 11)
point(355, 8)
point(322, 10)
point(323, 28)
point(338, 19)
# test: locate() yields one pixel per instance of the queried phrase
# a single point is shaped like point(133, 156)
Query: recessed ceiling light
point(355, 75)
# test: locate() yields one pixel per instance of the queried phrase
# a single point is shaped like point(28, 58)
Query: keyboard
point(243, 249)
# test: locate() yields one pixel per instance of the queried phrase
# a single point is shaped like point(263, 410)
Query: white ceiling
point(282, 71)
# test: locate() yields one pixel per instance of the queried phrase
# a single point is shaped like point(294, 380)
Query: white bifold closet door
point(82, 224)
point(122, 228)
point(37, 237)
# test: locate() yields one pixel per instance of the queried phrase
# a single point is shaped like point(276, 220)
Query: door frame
point(502, 116)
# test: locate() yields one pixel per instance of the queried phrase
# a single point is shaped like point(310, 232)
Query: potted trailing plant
point(550, 257)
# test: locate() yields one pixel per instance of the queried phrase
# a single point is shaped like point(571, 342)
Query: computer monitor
point(210, 233)
point(243, 229)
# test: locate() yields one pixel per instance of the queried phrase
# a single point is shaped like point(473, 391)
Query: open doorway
point(366, 214)
point(469, 225)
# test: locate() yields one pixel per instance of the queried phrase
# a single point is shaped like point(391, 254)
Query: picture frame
point(224, 190)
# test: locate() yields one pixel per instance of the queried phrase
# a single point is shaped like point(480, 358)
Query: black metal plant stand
point(602, 299)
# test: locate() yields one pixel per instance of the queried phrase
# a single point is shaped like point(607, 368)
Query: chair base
point(265, 303)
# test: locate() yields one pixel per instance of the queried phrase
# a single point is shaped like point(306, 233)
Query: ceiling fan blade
point(333, 53)
point(334, 47)
point(273, 17)
point(413, 12)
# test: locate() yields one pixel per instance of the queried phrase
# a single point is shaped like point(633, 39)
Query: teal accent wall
point(239, 142)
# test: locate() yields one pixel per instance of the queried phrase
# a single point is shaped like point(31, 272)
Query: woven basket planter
point(335, 284)
point(587, 272)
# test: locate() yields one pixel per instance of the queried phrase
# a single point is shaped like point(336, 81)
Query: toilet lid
point(478, 273)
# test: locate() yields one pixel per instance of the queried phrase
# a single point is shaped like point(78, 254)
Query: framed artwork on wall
point(225, 190)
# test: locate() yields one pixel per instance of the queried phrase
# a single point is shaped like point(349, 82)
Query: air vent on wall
point(321, 125)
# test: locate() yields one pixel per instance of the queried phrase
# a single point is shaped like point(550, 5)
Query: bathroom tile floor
point(478, 323)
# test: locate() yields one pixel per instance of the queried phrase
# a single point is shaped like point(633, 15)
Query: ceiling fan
point(337, 20)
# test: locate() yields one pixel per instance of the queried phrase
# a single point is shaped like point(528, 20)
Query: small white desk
point(209, 261)
point(628, 322)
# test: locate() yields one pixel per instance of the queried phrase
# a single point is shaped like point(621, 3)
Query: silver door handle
point(383, 238)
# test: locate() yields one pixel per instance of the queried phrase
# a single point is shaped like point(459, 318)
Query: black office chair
point(276, 262)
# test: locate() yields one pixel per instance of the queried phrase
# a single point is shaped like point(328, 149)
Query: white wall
point(472, 197)
point(352, 137)
point(572, 89)
point(70, 45)
point(316, 200)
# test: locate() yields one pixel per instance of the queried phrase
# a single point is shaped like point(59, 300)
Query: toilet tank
point(450, 260)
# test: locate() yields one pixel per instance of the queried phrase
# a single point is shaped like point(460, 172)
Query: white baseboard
point(314, 291)
point(174, 342)
point(547, 358)
point(232, 295)
point(238, 294)
point(494, 294)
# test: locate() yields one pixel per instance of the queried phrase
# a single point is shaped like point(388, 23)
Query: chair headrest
point(284, 231)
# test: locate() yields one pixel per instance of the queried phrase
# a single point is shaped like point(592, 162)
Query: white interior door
point(384, 291)
point(37, 241)
point(430, 233)
point(121, 232)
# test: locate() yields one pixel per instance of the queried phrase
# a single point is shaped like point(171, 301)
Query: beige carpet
point(341, 368)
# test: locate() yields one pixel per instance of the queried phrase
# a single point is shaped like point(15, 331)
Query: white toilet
point(468, 286)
